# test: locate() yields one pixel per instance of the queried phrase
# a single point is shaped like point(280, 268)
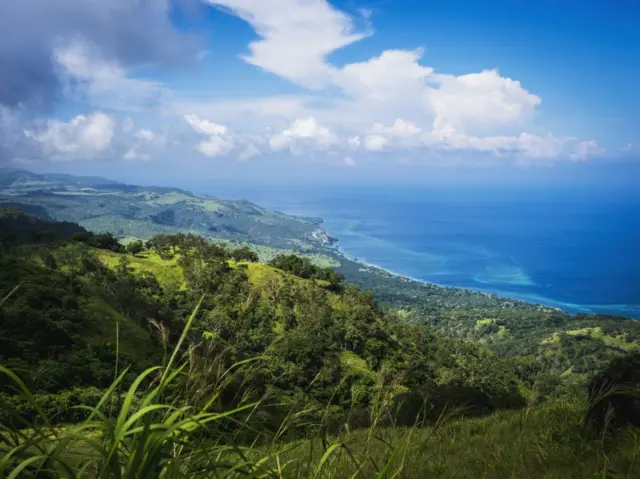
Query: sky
point(198, 91)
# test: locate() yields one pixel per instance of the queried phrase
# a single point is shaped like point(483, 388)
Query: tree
point(244, 254)
point(135, 247)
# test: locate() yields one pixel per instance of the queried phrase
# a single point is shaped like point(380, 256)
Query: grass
point(166, 271)
point(545, 441)
point(147, 433)
point(169, 199)
point(354, 363)
point(134, 341)
point(261, 274)
point(267, 253)
point(171, 422)
point(618, 342)
point(614, 341)
point(212, 206)
point(502, 330)
point(169, 273)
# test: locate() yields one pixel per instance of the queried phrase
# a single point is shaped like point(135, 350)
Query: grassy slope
point(167, 272)
point(544, 441)
point(260, 275)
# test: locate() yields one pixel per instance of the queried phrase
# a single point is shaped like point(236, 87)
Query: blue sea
point(576, 249)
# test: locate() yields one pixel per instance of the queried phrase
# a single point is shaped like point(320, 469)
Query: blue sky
point(311, 90)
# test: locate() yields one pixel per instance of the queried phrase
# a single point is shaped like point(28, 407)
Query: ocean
point(575, 249)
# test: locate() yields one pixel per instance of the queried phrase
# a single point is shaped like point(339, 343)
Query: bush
point(135, 247)
point(244, 254)
point(614, 395)
point(102, 241)
point(17, 411)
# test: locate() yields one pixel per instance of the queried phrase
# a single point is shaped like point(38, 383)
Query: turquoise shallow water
point(573, 249)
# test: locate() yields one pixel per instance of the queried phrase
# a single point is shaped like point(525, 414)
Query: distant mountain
point(104, 205)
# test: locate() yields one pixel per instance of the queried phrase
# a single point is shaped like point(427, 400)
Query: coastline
point(380, 269)
point(337, 249)
point(533, 300)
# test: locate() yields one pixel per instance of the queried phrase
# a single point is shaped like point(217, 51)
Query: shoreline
point(532, 300)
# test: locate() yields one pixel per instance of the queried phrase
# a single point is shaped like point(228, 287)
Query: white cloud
point(400, 128)
point(133, 154)
point(523, 146)
point(584, 150)
point(145, 135)
point(392, 74)
point(307, 130)
point(349, 161)
point(143, 144)
point(375, 142)
point(219, 143)
point(478, 99)
point(295, 36)
point(204, 126)
point(81, 136)
point(354, 142)
point(539, 147)
point(215, 146)
point(392, 101)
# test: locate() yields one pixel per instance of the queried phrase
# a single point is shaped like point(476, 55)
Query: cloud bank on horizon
point(84, 79)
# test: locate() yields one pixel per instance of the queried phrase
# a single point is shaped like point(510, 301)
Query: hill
point(284, 363)
point(103, 205)
point(310, 326)
point(550, 341)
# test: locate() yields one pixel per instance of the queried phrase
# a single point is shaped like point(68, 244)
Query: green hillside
point(284, 369)
point(103, 205)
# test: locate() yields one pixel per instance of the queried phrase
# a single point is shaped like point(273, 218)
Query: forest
point(182, 357)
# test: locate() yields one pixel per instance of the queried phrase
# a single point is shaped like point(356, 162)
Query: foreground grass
point(154, 439)
point(170, 422)
point(546, 441)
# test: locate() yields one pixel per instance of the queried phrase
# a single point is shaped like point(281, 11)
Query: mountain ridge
point(104, 205)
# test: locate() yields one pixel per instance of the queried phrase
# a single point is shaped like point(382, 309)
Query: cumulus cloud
point(375, 142)
point(145, 135)
point(215, 146)
point(205, 126)
point(95, 135)
point(478, 99)
point(143, 144)
point(82, 136)
point(219, 143)
point(392, 74)
point(480, 111)
point(400, 128)
point(584, 150)
point(393, 101)
point(307, 131)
